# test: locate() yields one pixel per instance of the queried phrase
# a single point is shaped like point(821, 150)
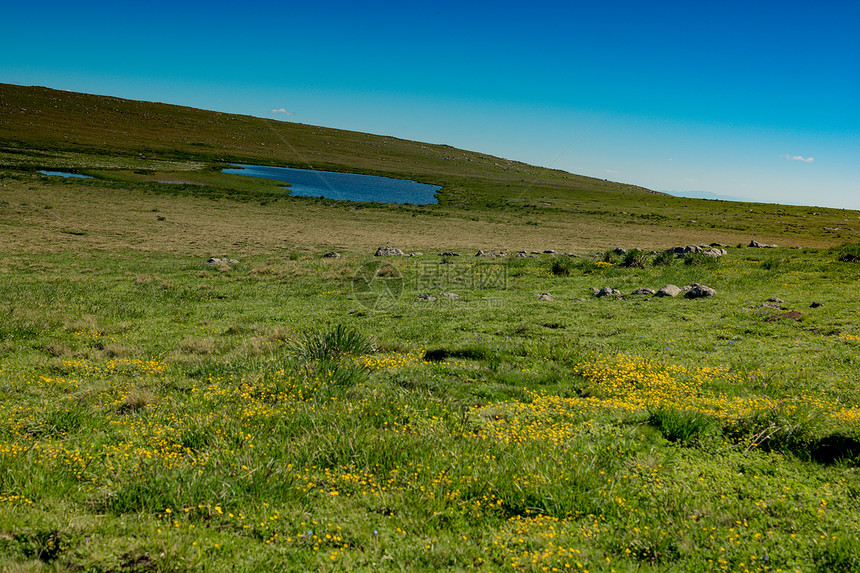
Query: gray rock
point(549, 252)
point(771, 305)
point(619, 251)
point(545, 296)
point(595, 290)
point(608, 291)
point(449, 254)
point(426, 298)
point(668, 290)
point(217, 262)
point(700, 291)
point(776, 300)
point(415, 255)
point(480, 254)
point(331, 255)
point(757, 245)
point(387, 251)
point(450, 295)
point(816, 304)
point(647, 291)
point(713, 252)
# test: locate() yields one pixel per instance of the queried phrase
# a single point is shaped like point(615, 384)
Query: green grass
point(160, 414)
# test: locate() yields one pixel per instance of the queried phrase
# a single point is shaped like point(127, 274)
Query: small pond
point(343, 186)
point(64, 174)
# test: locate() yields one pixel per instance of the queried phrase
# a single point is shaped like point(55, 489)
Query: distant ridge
point(707, 195)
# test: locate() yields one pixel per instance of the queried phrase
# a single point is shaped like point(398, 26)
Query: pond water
point(343, 186)
point(64, 174)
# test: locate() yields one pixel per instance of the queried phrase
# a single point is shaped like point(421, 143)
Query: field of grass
point(292, 412)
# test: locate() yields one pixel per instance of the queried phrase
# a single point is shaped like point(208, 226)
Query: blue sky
point(754, 100)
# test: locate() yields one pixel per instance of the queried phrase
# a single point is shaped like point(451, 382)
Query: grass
point(159, 414)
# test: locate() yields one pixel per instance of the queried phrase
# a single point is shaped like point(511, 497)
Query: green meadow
point(280, 410)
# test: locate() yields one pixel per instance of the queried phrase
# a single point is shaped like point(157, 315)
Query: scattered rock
point(426, 298)
point(668, 290)
point(619, 251)
point(647, 291)
point(549, 252)
point(450, 295)
point(331, 255)
point(608, 291)
point(771, 305)
point(449, 254)
point(415, 255)
point(480, 254)
point(218, 262)
point(387, 251)
point(816, 304)
point(545, 296)
point(790, 315)
point(757, 245)
point(700, 291)
point(775, 299)
point(714, 252)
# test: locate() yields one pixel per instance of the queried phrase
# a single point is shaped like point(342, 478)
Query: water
point(64, 174)
point(344, 186)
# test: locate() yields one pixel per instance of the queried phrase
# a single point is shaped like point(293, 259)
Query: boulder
point(700, 291)
point(757, 245)
point(387, 251)
point(545, 296)
point(218, 262)
point(450, 295)
point(714, 252)
point(668, 290)
point(608, 291)
point(425, 298)
point(331, 255)
point(775, 299)
point(647, 291)
point(816, 304)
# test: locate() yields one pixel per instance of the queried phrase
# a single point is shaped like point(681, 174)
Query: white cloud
point(798, 158)
point(282, 110)
point(611, 171)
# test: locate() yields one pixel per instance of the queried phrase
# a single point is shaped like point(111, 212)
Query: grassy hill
point(282, 410)
point(133, 145)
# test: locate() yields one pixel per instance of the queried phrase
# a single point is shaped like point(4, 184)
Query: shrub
point(665, 258)
point(610, 256)
point(333, 344)
point(849, 253)
point(700, 259)
point(635, 259)
point(562, 266)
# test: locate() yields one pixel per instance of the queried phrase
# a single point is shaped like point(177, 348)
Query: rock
point(608, 291)
point(217, 262)
point(426, 298)
point(668, 290)
point(450, 295)
point(715, 253)
point(331, 255)
point(816, 304)
point(415, 255)
point(692, 249)
point(595, 290)
point(700, 291)
point(387, 251)
point(771, 305)
point(522, 254)
point(647, 291)
point(549, 252)
point(776, 300)
point(619, 251)
point(757, 245)
point(449, 254)
point(545, 296)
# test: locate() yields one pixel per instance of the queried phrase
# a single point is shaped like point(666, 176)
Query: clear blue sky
point(755, 100)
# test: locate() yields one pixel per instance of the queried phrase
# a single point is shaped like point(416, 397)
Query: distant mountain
point(707, 195)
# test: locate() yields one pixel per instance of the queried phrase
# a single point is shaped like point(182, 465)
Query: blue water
point(344, 186)
point(64, 174)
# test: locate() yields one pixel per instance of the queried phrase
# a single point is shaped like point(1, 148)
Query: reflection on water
point(343, 186)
